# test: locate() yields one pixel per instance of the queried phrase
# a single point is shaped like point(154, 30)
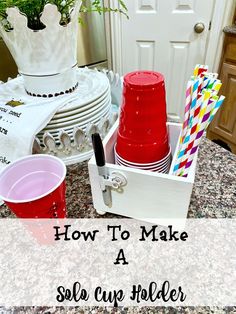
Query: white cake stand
point(68, 134)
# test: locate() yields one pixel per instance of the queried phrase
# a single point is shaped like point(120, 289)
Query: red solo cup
point(141, 153)
point(143, 111)
point(156, 168)
point(160, 162)
point(142, 133)
point(34, 187)
point(140, 166)
point(153, 169)
point(143, 167)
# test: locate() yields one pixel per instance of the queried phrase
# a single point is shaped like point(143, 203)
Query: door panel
point(146, 6)
point(224, 123)
point(160, 36)
point(145, 51)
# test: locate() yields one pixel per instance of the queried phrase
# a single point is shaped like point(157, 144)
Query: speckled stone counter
point(230, 29)
point(213, 196)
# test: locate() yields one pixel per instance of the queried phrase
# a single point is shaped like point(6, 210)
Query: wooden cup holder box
point(144, 195)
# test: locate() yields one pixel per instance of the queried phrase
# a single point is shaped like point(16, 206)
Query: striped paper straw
point(201, 105)
point(194, 90)
point(187, 109)
point(199, 70)
point(206, 81)
point(192, 101)
point(216, 108)
point(196, 117)
point(203, 127)
point(211, 83)
point(209, 79)
point(180, 162)
point(191, 134)
point(206, 108)
point(185, 145)
point(196, 83)
point(200, 85)
point(202, 70)
point(196, 69)
point(216, 86)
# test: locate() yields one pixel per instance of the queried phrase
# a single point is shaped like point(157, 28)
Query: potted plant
point(42, 38)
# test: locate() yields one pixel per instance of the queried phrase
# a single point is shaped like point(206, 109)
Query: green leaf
point(33, 9)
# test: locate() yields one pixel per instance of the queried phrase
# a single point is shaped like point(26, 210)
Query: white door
point(160, 36)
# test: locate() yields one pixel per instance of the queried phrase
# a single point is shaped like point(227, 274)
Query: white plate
point(92, 85)
point(69, 129)
point(77, 119)
point(84, 121)
point(75, 115)
point(77, 109)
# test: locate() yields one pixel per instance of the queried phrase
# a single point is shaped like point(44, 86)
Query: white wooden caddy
point(150, 196)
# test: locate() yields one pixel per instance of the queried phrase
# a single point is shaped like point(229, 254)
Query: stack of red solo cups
point(142, 139)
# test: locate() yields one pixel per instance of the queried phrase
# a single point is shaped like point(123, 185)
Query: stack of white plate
point(92, 102)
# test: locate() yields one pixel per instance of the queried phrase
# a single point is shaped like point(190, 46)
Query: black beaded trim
point(68, 91)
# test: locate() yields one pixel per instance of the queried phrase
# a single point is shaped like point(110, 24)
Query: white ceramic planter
point(149, 196)
point(45, 58)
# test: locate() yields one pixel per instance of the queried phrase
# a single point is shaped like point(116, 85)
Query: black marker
point(101, 165)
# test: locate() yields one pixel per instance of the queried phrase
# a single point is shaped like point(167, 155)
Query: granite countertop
point(230, 29)
point(213, 196)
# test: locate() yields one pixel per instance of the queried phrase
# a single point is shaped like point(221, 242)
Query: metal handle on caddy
point(116, 180)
